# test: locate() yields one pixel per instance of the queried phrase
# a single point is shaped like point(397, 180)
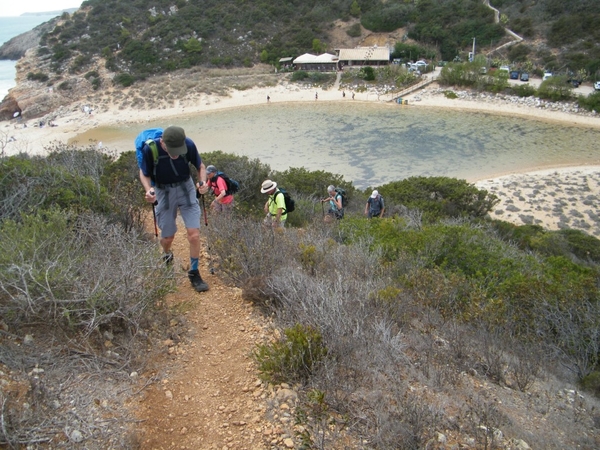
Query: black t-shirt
point(168, 170)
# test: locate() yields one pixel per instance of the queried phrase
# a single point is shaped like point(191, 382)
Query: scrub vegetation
point(383, 324)
point(138, 39)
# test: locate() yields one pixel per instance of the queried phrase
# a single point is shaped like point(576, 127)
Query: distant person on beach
point(223, 202)
point(353, 96)
point(316, 96)
point(170, 187)
point(275, 206)
point(268, 99)
point(343, 94)
point(336, 209)
point(375, 206)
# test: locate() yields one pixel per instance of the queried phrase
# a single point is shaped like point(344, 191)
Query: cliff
point(15, 48)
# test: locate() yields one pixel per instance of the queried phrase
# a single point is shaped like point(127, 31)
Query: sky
point(18, 7)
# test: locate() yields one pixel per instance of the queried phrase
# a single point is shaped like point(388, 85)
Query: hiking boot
point(197, 281)
point(168, 258)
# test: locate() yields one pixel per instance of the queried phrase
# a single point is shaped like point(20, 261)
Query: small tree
point(367, 73)
point(355, 9)
point(193, 46)
point(318, 46)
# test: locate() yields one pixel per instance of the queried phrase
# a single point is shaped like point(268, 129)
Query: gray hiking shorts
point(173, 197)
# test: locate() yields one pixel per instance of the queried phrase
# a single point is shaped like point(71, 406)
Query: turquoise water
point(372, 144)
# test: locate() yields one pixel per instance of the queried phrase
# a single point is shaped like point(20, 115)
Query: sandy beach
point(564, 197)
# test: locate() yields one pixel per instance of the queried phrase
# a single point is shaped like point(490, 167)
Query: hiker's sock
point(193, 263)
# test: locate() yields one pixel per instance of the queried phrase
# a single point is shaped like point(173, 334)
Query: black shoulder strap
point(275, 200)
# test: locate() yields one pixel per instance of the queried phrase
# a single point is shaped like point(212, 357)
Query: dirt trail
point(208, 394)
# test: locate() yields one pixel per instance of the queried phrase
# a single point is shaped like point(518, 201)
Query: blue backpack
point(147, 137)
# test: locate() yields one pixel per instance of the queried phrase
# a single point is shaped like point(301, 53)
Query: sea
point(9, 28)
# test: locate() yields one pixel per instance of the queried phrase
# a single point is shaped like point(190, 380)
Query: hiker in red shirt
point(223, 201)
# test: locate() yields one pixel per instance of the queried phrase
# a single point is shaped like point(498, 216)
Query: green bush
point(568, 243)
point(124, 79)
point(299, 75)
point(293, 357)
point(459, 74)
point(37, 76)
point(524, 90)
point(32, 184)
point(450, 94)
point(312, 183)
point(591, 383)
point(367, 73)
point(249, 173)
point(354, 30)
point(439, 197)
point(555, 89)
point(76, 272)
point(590, 102)
point(388, 18)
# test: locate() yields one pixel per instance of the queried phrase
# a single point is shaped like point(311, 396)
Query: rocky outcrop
point(9, 108)
point(15, 48)
point(35, 97)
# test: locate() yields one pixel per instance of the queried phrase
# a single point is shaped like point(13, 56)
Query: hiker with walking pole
point(166, 176)
point(336, 207)
point(217, 181)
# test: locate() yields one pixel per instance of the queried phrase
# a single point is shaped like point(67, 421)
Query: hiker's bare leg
point(166, 243)
point(193, 235)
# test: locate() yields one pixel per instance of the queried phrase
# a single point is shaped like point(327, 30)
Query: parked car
point(546, 76)
point(524, 76)
point(597, 85)
point(504, 69)
point(514, 74)
point(575, 82)
point(421, 65)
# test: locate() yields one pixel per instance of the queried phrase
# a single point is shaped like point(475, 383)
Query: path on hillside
point(497, 20)
point(208, 394)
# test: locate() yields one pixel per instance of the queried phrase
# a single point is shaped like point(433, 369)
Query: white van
point(546, 76)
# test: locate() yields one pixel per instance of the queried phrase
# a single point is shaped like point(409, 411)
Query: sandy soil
point(207, 393)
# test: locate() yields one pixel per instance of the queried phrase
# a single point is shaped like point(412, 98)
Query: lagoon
point(372, 144)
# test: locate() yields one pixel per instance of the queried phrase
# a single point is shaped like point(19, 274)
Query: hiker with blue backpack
point(222, 188)
point(164, 161)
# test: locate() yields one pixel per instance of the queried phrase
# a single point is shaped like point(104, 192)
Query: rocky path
point(207, 393)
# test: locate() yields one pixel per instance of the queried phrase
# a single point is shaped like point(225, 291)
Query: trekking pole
point(154, 215)
point(203, 208)
point(208, 249)
point(323, 208)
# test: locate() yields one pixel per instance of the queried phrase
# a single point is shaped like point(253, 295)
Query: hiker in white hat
point(275, 206)
point(375, 206)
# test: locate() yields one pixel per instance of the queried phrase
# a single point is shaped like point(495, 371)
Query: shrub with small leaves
point(293, 357)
